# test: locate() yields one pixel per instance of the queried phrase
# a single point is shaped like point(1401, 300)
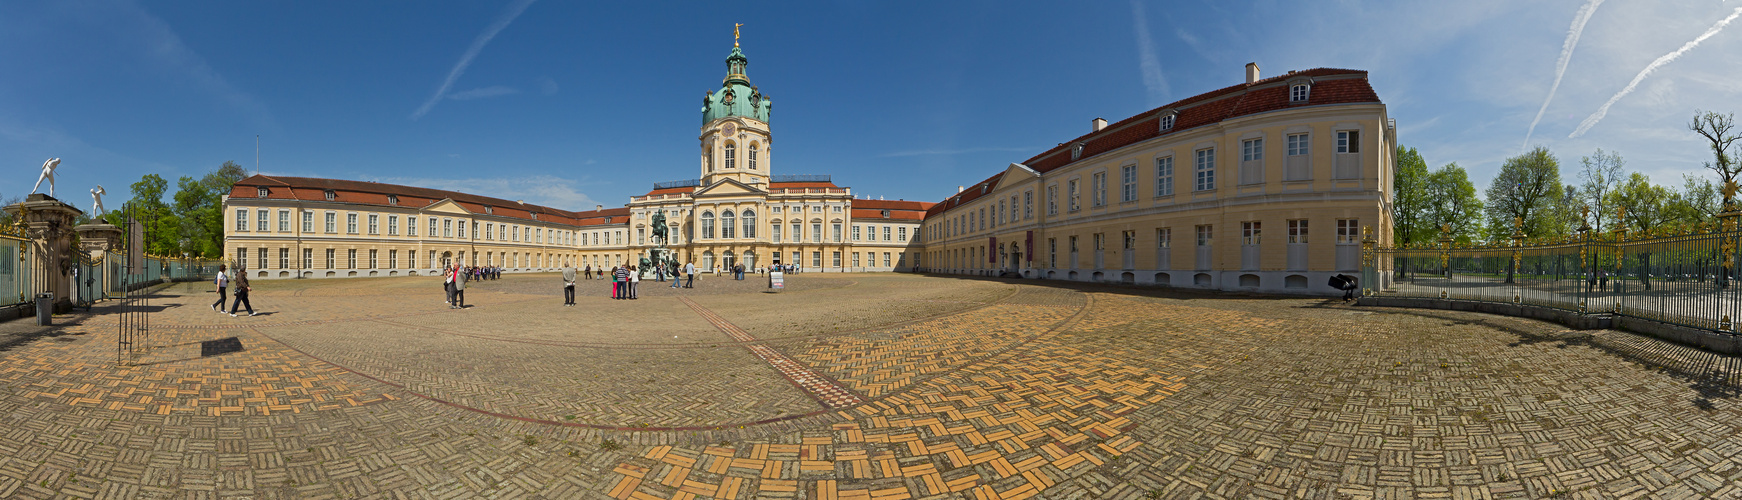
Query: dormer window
point(489, 210)
point(1167, 121)
point(332, 195)
point(1297, 93)
point(1077, 151)
point(885, 214)
point(393, 199)
point(263, 192)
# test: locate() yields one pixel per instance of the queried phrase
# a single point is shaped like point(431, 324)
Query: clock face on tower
point(729, 129)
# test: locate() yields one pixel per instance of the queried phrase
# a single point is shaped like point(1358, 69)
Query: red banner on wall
point(992, 250)
point(1028, 248)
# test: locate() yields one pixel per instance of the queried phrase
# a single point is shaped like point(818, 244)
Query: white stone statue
point(47, 173)
point(96, 200)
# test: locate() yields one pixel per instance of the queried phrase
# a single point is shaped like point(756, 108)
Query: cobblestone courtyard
point(868, 386)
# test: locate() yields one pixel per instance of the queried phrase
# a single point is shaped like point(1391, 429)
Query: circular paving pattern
point(850, 386)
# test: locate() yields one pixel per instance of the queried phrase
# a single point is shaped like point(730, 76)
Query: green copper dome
point(736, 96)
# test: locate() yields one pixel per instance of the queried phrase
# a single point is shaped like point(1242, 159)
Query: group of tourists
point(454, 282)
point(241, 281)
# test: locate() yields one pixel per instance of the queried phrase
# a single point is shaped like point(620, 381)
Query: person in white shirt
point(223, 280)
point(634, 282)
point(690, 270)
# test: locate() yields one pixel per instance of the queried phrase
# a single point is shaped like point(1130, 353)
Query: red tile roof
point(375, 193)
point(874, 213)
point(1270, 94)
point(893, 204)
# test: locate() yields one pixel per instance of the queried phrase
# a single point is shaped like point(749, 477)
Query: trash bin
point(45, 308)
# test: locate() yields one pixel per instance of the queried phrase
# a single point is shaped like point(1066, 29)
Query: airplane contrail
point(1598, 116)
point(1560, 67)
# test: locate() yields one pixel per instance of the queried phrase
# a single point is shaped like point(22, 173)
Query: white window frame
point(1128, 183)
point(1204, 170)
point(1164, 176)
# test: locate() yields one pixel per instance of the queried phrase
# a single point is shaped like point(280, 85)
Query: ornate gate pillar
point(48, 223)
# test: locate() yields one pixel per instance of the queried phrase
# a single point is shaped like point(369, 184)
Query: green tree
point(1644, 205)
point(1451, 201)
point(1528, 189)
point(195, 206)
point(1409, 200)
point(1601, 174)
point(1696, 203)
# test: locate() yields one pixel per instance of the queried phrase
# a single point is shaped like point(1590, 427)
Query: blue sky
point(574, 104)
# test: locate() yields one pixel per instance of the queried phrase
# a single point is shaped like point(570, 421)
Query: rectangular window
point(489, 231)
point(1249, 232)
point(1297, 145)
point(242, 253)
point(411, 258)
point(1163, 237)
point(796, 237)
point(817, 233)
point(837, 258)
point(351, 259)
point(1027, 205)
point(855, 233)
point(1252, 150)
point(1128, 183)
point(886, 259)
point(1100, 189)
point(1349, 141)
point(263, 260)
point(374, 224)
point(1164, 176)
point(260, 221)
point(901, 234)
point(1052, 200)
point(1252, 161)
point(308, 258)
point(1100, 241)
point(1348, 231)
point(241, 219)
point(1204, 235)
point(1072, 193)
point(432, 232)
point(372, 261)
point(1052, 252)
point(392, 225)
point(284, 258)
point(460, 232)
point(775, 234)
point(1297, 231)
point(330, 259)
point(308, 222)
point(816, 259)
point(393, 259)
point(350, 223)
point(502, 233)
point(283, 221)
point(886, 234)
point(855, 259)
point(410, 229)
point(332, 222)
point(447, 228)
point(837, 230)
point(1206, 170)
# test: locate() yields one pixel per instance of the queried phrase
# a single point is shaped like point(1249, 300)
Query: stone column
point(48, 223)
point(100, 239)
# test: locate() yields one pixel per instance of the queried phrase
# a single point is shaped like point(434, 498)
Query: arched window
point(727, 222)
point(708, 259)
point(707, 225)
point(753, 150)
point(749, 217)
point(728, 260)
point(731, 155)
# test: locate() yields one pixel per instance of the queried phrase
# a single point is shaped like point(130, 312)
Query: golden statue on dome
point(735, 27)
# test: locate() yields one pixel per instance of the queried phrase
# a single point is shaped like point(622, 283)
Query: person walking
point(634, 282)
point(588, 271)
point(568, 286)
point(448, 276)
point(222, 280)
point(689, 270)
point(675, 279)
point(620, 277)
point(241, 292)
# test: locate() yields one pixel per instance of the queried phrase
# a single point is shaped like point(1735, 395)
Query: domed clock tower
point(735, 139)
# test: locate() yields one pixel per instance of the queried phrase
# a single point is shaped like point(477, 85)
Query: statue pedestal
point(48, 223)
point(657, 257)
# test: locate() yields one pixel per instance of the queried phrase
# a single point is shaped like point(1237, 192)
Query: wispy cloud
point(546, 85)
point(1560, 67)
point(548, 190)
point(508, 16)
point(941, 152)
point(1147, 61)
point(499, 90)
point(158, 43)
point(1649, 68)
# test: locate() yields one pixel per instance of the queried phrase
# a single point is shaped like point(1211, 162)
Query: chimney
point(1100, 124)
point(1251, 73)
point(598, 207)
point(958, 190)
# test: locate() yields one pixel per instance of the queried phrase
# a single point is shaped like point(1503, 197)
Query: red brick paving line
point(536, 420)
point(825, 390)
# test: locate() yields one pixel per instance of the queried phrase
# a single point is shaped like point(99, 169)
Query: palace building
point(737, 212)
point(1306, 155)
point(1265, 186)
